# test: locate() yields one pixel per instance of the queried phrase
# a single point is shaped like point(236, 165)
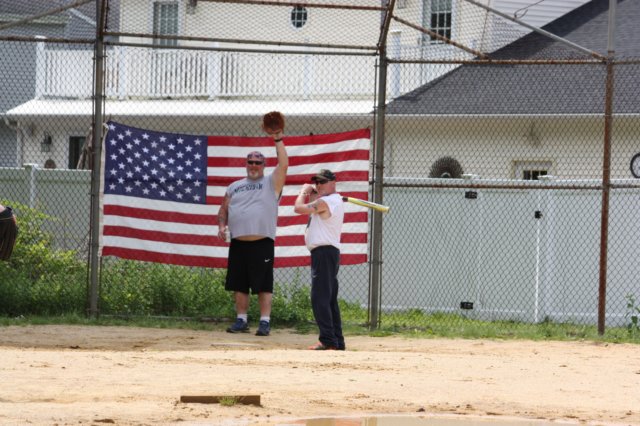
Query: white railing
point(145, 73)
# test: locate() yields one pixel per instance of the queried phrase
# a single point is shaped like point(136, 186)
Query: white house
point(507, 121)
point(204, 81)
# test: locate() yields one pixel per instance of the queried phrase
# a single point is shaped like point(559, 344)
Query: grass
point(435, 326)
point(228, 401)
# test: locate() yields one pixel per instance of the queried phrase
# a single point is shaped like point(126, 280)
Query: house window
point(165, 22)
point(532, 170)
point(75, 149)
point(298, 16)
point(441, 19)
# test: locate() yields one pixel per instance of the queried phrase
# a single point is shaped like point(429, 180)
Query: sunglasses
point(321, 181)
point(255, 163)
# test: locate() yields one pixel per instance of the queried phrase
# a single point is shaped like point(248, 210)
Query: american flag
point(162, 192)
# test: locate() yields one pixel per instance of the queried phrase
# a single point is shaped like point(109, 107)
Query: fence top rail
point(472, 181)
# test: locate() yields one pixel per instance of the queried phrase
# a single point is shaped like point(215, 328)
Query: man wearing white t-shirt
point(326, 210)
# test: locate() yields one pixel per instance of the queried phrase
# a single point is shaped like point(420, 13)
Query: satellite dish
point(446, 168)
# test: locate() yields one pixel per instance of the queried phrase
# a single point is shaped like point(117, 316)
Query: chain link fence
point(508, 154)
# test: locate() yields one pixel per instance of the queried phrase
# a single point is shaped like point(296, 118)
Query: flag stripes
point(168, 221)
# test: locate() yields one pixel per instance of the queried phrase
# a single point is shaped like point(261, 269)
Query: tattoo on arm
point(313, 206)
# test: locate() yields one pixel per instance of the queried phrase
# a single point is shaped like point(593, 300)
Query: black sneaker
point(263, 328)
point(239, 326)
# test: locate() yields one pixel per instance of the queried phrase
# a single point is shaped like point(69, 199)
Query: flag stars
point(152, 165)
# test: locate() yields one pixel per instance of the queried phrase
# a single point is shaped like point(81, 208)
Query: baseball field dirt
point(70, 375)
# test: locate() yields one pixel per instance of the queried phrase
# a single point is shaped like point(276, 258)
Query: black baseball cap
point(324, 174)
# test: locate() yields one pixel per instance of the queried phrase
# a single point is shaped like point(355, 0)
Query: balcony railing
point(146, 73)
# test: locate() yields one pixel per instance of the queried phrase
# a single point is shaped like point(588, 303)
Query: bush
point(39, 279)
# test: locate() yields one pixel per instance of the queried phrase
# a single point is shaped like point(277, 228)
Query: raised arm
point(306, 203)
point(273, 124)
point(280, 173)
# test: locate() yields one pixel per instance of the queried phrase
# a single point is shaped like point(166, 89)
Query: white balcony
point(146, 73)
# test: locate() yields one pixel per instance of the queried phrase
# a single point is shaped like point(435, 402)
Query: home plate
point(215, 399)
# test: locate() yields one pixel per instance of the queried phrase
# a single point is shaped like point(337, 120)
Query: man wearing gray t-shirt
point(249, 213)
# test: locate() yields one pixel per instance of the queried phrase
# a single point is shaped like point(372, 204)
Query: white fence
point(517, 254)
point(144, 73)
point(64, 195)
point(510, 254)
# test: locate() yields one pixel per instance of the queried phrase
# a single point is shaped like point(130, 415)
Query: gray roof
point(17, 63)
point(77, 23)
point(542, 89)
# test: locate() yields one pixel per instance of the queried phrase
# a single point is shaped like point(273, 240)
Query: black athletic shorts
point(250, 266)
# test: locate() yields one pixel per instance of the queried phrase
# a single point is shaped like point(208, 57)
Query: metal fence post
point(97, 154)
point(606, 172)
